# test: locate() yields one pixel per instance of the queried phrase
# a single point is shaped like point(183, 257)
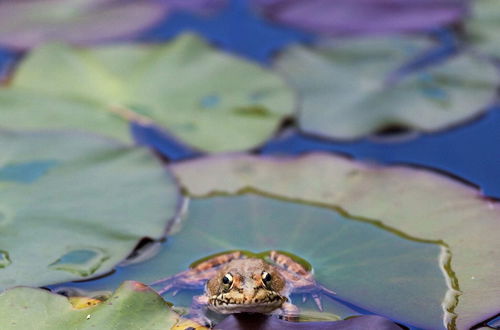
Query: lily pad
point(341, 17)
point(369, 267)
point(351, 88)
point(21, 110)
point(365, 265)
point(263, 322)
point(483, 26)
point(24, 24)
point(410, 202)
point(213, 101)
point(132, 306)
point(73, 206)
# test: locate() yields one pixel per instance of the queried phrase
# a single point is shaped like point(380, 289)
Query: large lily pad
point(412, 202)
point(341, 17)
point(365, 265)
point(73, 206)
point(349, 89)
point(483, 26)
point(370, 267)
point(132, 306)
point(24, 24)
point(212, 101)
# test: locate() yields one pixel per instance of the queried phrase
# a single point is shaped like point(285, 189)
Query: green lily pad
point(410, 202)
point(211, 100)
point(346, 89)
point(483, 26)
point(132, 306)
point(73, 205)
point(364, 264)
point(23, 110)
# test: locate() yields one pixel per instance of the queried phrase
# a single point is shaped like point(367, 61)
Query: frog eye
point(227, 279)
point(266, 277)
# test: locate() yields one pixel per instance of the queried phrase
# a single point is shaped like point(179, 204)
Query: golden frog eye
point(266, 277)
point(227, 279)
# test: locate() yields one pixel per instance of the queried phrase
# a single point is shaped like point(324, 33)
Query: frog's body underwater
point(236, 283)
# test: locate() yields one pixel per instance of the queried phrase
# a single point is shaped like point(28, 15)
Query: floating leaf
point(348, 257)
point(414, 203)
point(263, 322)
point(366, 265)
point(23, 110)
point(212, 101)
point(24, 24)
point(350, 89)
point(75, 205)
point(132, 306)
point(362, 16)
point(484, 25)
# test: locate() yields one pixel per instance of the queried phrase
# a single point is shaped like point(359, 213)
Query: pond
point(152, 136)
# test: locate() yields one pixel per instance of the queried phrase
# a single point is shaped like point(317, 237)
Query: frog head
point(246, 286)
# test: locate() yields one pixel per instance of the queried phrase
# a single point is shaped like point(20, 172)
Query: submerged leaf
point(414, 203)
point(213, 101)
point(74, 206)
point(132, 306)
point(353, 88)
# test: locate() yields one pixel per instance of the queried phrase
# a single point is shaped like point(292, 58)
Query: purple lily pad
point(263, 322)
point(340, 17)
point(24, 24)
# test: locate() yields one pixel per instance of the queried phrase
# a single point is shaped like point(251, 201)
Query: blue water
point(235, 29)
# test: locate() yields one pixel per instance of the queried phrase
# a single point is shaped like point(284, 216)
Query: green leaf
point(366, 265)
point(132, 306)
point(483, 26)
point(211, 100)
point(350, 89)
point(21, 110)
point(412, 203)
point(73, 205)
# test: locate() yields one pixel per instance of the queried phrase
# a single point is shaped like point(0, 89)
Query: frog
point(239, 282)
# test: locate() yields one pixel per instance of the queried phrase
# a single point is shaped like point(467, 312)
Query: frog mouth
point(226, 303)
